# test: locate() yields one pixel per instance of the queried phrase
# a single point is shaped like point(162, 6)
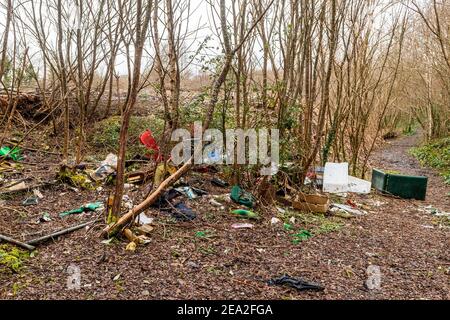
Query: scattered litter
point(351, 203)
point(295, 283)
point(204, 234)
point(281, 210)
point(216, 204)
point(223, 197)
point(13, 154)
point(30, 201)
point(187, 191)
point(145, 229)
point(275, 221)
point(127, 186)
point(205, 168)
point(86, 208)
point(288, 226)
point(143, 239)
point(38, 194)
point(434, 211)
point(134, 178)
point(183, 213)
point(130, 235)
point(357, 185)
point(131, 246)
point(107, 167)
point(199, 192)
point(143, 219)
point(17, 187)
point(245, 214)
point(301, 235)
point(165, 198)
point(243, 197)
point(242, 226)
point(107, 241)
point(335, 178)
point(160, 173)
point(311, 202)
point(377, 203)
point(219, 182)
point(45, 217)
point(150, 143)
point(337, 207)
point(127, 202)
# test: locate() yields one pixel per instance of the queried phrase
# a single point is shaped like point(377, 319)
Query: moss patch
point(12, 258)
point(435, 154)
point(105, 134)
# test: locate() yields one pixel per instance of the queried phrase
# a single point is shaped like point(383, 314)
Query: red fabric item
point(150, 143)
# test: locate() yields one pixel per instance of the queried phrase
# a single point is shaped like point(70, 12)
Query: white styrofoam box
point(335, 177)
point(357, 185)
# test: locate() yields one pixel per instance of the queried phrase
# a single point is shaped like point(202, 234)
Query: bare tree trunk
point(141, 32)
point(5, 39)
point(63, 82)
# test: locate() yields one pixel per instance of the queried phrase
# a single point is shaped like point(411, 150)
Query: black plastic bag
point(296, 283)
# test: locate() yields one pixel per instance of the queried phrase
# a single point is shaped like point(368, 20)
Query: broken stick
point(16, 242)
point(58, 233)
point(132, 214)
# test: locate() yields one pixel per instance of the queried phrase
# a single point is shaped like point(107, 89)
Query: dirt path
point(405, 242)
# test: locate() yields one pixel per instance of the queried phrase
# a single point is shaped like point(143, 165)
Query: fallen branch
point(58, 233)
point(17, 242)
point(134, 212)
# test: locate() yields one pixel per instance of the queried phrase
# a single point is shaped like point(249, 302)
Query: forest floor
point(410, 246)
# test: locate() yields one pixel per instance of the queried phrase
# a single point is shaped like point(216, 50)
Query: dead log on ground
point(17, 242)
point(58, 233)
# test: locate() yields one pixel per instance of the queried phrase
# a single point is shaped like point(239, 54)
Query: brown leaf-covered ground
point(408, 244)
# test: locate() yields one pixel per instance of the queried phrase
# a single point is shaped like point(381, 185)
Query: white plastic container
point(357, 185)
point(335, 177)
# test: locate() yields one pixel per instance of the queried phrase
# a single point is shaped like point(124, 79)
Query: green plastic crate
point(406, 187)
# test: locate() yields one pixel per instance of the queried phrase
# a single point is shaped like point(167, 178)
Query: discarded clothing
point(296, 283)
point(169, 195)
point(243, 197)
point(183, 213)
